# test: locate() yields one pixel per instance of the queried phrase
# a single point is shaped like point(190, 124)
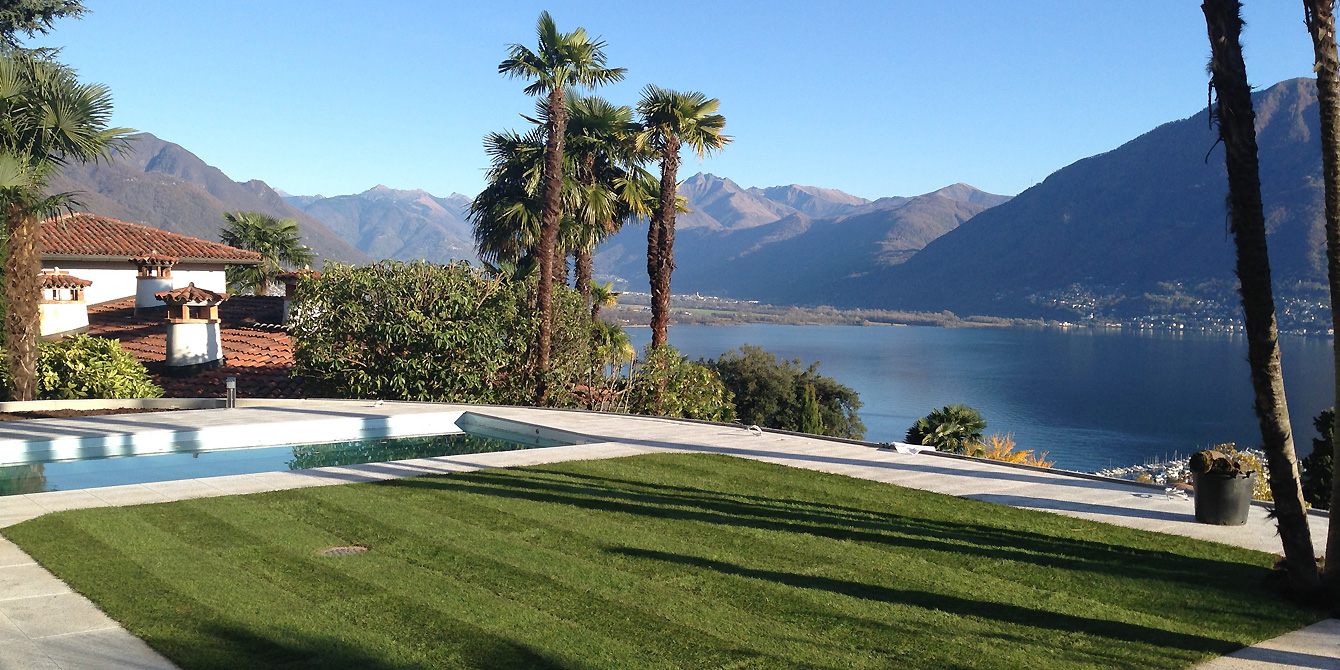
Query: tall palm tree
point(670, 120)
point(600, 138)
point(506, 214)
point(50, 119)
point(1320, 19)
point(278, 241)
point(1235, 118)
point(561, 60)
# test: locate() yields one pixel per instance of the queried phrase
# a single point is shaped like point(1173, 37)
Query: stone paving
point(44, 625)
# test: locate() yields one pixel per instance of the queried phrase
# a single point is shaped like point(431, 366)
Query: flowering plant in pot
point(1223, 488)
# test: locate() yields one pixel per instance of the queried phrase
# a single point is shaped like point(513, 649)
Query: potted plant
point(1223, 488)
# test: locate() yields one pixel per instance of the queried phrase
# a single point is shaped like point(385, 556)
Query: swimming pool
point(192, 464)
point(66, 464)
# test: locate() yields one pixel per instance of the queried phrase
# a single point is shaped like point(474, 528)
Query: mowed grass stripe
point(615, 604)
point(652, 562)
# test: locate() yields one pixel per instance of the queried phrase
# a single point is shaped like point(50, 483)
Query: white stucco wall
point(193, 343)
point(62, 317)
point(114, 280)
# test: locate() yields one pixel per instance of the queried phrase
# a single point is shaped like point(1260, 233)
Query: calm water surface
point(1089, 398)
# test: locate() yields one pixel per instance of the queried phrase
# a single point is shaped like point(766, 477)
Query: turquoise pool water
point(188, 464)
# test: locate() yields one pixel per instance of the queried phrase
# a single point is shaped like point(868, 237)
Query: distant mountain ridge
point(788, 244)
point(161, 184)
point(1149, 213)
point(384, 222)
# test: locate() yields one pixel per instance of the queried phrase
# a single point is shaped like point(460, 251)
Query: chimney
point(155, 276)
point(291, 280)
point(193, 338)
point(63, 310)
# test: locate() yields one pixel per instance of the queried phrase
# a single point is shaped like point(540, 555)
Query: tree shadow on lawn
point(1002, 612)
point(854, 524)
point(257, 648)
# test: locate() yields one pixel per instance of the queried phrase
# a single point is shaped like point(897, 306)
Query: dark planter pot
point(1223, 500)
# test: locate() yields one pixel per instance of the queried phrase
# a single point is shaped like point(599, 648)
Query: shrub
point(997, 447)
point(775, 393)
point(1319, 467)
point(668, 384)
point(83, 367)
point(952, 428)
point(420, 331)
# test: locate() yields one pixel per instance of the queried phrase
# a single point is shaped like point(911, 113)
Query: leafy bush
point(1319, 467)
point(83, 367)
point(777, 394)
point(997, 447)
point(419, 331)
point(668, 384)
point(952, 428)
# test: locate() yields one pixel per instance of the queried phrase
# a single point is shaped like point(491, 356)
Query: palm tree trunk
point(1228, 76)
point(1321, 25)
point(22, 265)
point(661, 236)
point(584, 264)
point(549, 221)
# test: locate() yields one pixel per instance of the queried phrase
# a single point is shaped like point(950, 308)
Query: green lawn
point(663, 561)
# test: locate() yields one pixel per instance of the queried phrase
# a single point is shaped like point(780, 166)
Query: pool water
point(189, 464)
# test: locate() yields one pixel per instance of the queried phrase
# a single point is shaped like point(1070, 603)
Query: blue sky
point(875, 98)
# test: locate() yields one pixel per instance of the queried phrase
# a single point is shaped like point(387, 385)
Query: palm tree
point(671, 119)
point(602, 295)
point(50, 120)
point(951, 428)
point(506, 214)
point(1321, 24)
point(278, 241)
point(562, 60)
point(1235, 118)
point(600, 138)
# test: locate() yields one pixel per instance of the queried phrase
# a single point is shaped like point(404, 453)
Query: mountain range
point(778, 244)
point(1146, 216)
point(1129, 225)
point(161, 184)
point(388, 223)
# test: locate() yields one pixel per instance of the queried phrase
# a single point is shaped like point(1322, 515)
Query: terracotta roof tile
point(84, 234)
point(61, 279)
point(256, 352)
point(190, 294)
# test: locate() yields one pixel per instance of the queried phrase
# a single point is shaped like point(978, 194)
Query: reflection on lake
point(1089, 397)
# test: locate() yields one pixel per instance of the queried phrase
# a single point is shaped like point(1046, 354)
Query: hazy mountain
point(1149, 211)
point(404, 225)
point(796, 257)
point(161, 184)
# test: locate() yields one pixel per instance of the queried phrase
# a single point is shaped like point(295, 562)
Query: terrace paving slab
point(608, 436)
point(1315, 647)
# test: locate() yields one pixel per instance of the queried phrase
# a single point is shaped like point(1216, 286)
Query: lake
point(1090, 398)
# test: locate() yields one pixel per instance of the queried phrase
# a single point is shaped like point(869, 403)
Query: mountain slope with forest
point(404, 225)
point(1147, 218)
point(161, 184)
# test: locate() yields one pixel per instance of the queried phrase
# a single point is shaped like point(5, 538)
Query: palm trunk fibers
point(661, 245)
point(1228, 76)
point(22, 265)
point(549, 222)
point(1321, 25)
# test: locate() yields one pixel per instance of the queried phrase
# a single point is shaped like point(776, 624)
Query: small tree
point(951, 428)
point(771, 392)
point(811, 421)
point(668, 384)
point(1319, 466)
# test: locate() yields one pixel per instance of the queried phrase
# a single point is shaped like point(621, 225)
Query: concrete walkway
point(43, 624)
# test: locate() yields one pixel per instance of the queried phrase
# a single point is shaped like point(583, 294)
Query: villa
point(109, 278)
